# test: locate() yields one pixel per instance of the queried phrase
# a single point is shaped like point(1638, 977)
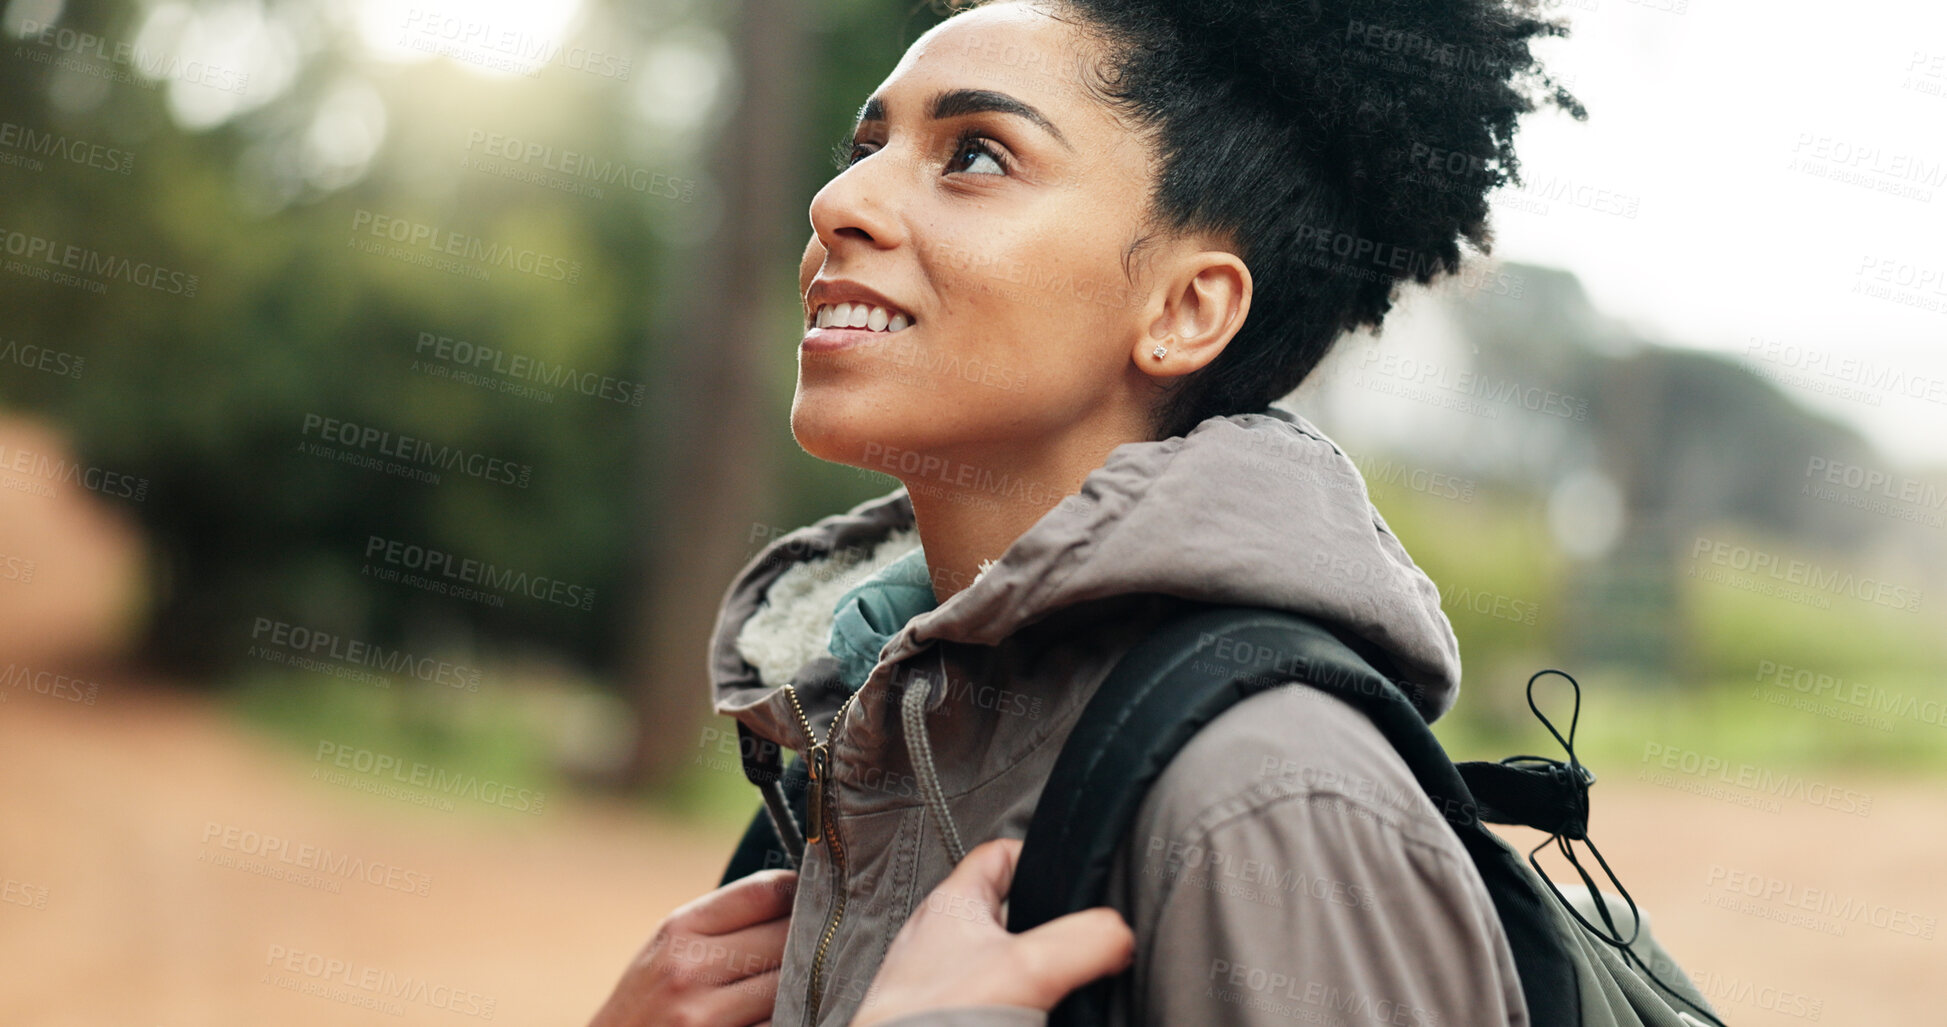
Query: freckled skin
point(1011, 261)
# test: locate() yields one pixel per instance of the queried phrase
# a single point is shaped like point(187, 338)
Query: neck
point(974, 502)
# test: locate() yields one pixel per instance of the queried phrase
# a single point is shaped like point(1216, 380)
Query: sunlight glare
point(495, 38)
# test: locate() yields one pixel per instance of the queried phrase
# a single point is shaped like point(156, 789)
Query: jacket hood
point(1259, 509)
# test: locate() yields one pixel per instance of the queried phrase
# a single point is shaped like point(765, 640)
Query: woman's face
point(986, 211)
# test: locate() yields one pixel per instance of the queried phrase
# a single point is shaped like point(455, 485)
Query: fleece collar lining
point(794, 624)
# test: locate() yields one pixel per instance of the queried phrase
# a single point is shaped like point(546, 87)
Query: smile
point(860, 315)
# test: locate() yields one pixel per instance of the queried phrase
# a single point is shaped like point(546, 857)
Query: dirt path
point(1803, 915)
point(113, 911)
point(108, 809)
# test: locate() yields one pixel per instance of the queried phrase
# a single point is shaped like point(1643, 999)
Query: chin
point(837, 424)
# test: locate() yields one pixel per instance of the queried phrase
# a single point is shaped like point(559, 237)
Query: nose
point(859, 205)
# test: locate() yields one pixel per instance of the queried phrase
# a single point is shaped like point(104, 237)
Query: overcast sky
point(1779, 160)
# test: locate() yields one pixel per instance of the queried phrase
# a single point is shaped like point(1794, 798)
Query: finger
point(1070, 951)
point(985, 873)
point(723, 958)
point(741, 1003)
point(765, 895)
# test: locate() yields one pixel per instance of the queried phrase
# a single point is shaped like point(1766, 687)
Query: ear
point(1199, 305)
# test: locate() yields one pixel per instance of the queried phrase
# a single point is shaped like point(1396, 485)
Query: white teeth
point(860, 315)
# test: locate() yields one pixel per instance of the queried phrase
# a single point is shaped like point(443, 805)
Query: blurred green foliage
point(492, 736)
point(207, 396)
point(1727, 700)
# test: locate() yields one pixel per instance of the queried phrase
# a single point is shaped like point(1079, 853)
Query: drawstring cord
point(1562, 842)
point(912, 714)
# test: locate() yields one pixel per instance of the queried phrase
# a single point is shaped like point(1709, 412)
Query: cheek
point(1048, 302)
point(1001, 285)
point(1023, 352)
point(814, 256)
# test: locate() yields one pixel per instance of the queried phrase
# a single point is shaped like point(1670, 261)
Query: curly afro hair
point(1341, 146)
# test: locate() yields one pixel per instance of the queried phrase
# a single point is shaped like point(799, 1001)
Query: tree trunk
point(706, 460)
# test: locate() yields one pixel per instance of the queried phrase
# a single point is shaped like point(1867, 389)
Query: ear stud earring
point(1158, 352)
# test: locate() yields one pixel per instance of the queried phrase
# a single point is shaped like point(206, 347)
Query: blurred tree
point(210, 396)
point(711, 463)
point(268, 195)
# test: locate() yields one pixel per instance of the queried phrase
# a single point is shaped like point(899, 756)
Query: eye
point(846, 153)
point(976, 154)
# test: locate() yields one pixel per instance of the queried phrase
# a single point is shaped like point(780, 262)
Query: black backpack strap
point(1547, 795)
point(1173, 684)
point(764, 846)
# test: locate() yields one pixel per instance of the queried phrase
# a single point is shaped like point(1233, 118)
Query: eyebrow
point(954, 103)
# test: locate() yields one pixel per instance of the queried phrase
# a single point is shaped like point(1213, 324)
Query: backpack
point(1167, 687)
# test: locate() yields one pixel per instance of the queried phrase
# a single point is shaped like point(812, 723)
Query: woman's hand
point(713, 961)
point(955, 950)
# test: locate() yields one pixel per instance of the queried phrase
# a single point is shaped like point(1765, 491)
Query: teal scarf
point(867, 617)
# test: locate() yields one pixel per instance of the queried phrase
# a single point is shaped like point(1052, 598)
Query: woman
point(1075, 250)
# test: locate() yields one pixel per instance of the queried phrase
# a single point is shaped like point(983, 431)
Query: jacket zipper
point(823, 826)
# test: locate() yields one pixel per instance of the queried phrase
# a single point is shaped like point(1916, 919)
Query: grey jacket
point(1285, 867)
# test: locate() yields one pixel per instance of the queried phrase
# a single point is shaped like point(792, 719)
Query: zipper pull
point(815, 758)
point(815, 829)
